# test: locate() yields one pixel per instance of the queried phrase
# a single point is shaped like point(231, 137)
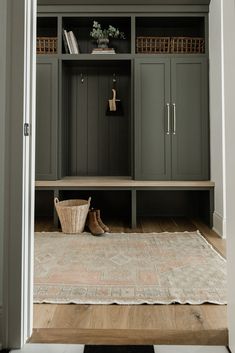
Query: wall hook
point(82, 78)
point(114, 78)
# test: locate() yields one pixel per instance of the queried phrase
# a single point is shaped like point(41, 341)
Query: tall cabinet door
point(46, 118)
point(190, 137)
point(152, 119)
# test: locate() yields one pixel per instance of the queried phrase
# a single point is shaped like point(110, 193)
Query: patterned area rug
point(122, 268)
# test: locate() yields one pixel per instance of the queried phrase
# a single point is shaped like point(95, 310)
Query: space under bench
point(131, 199)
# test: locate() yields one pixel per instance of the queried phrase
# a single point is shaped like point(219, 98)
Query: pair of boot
point(95, 224)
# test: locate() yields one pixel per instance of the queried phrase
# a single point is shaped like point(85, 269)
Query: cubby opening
point(82, 26)
point(47, 27)
point(170, 26)
point(174, 203)
point(116, 204)
point(94, 143)
point(44, 204)
point(47, 35)
point(170, 35)
point(118, 210)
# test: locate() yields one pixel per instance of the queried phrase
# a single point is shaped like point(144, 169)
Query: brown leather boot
point(93, 224)
point(101, 224)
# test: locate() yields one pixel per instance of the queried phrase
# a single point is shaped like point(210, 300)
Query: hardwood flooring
point(135, 324)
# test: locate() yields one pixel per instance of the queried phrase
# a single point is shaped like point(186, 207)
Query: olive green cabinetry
point(171, 127)
point(46, 118)
point(152, 106)
point(190, 135)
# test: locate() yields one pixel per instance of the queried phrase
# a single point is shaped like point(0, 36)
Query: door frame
point(19, 172)
point(19, 168)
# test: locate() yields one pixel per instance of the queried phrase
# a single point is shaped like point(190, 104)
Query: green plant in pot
point(102, 35)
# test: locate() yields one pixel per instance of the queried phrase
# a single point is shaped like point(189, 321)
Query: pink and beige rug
point(153, 268)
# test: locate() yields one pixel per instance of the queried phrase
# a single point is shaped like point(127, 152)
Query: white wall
point(3, 4)
point(229, 100)
point(216, 114)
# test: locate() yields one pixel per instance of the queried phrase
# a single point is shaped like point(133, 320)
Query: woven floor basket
point(72, 214)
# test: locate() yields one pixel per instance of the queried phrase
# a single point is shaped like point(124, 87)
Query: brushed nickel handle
point(174, 118)
point(168, 119)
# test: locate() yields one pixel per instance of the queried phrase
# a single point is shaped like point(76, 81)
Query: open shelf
point(47, 27)
point(47, 35)
point(82, 26)
point(145, 26)
point(95, 144)
point(82, 57)
point(168, 28)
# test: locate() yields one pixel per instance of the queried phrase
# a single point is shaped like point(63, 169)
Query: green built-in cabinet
point(47, 119)
point(189, 131)
point(171, 119)
point(162, 133)
point(152, 127)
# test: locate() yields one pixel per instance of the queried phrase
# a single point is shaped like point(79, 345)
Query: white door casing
point(19, 172)
point(228, 19)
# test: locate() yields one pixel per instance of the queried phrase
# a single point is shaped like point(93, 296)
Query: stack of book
point(103, 51)
point(70, 42)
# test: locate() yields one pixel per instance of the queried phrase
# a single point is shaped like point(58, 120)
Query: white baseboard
point(219, 225)
point(50, 348)
point(74, 348)
point(1, 328)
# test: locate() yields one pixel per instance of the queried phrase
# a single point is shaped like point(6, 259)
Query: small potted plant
point(102, 35)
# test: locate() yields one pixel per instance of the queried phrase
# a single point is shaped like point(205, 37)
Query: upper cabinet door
point(152, 119)
point(190, 137)
point(46, 118)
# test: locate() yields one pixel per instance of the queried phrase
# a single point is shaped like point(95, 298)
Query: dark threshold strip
point(119, 349)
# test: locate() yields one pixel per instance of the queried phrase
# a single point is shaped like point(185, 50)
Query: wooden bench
point(128, 184)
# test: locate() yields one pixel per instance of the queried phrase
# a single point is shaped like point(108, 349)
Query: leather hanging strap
point(112, 102)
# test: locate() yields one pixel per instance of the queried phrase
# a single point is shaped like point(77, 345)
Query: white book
point(74, 42)
point(71, 43)
point(68, 42)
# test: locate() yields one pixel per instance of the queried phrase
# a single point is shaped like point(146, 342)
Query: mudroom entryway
point(123, 134)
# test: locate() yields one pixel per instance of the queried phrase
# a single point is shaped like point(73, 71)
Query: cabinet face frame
point(53, 148)
point(61, 12)
point(203, 122)
point(116, 11)
point(164, 124)
point(170, 153)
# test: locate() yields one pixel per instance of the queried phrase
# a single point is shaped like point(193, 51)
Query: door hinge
point(26, 129)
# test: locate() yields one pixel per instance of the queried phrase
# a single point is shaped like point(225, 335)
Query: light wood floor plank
point(212, 237)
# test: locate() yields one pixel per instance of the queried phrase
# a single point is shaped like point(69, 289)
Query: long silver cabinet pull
point(168, 119)
point(174, 118)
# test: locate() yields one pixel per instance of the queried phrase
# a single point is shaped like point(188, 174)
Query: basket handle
point(89, 201)
point(56, 200)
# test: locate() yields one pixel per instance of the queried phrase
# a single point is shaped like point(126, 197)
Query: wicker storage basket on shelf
point(187, 45)
point(153, 45)
point(47, 45)
point(72, 214)
point(167, 45)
